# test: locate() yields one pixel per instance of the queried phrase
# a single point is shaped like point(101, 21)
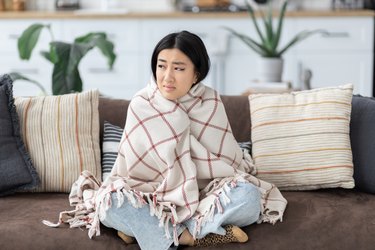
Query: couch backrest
point(238, 111)
point(237, 108)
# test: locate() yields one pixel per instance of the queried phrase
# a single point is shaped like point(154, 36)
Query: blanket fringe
point(219, 189)
point(271, 217)
point(63, 217)
point(137, 200)
point(51, 224)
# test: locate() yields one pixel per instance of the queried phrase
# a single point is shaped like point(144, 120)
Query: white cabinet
point(37, 68)
point(344, 56)
point(240, 60)
point(10, 31)
point(124, 80)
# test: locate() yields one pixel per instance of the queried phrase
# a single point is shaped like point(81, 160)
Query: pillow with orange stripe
point(301, 139)
point(61, 134)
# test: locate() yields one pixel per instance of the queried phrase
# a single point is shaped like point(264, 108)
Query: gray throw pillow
point(16, 169)
point(362, 137)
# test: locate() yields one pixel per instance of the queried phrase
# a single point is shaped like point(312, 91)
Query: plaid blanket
point(176, 157)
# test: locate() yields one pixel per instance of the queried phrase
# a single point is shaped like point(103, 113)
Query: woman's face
point(175, 73)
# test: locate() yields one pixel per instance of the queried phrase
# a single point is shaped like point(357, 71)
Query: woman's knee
point(249, 197)
point(244, 206)
point(247, 192)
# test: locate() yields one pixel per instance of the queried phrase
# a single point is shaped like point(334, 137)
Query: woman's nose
point(169, 75)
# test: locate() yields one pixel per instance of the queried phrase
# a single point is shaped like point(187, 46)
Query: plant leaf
point(77, 52)
point(65, 76)
point(99, 40)
point(268, 25)
point(299, 37)
point(28, 40)
point(53, 54)
point(252, 15)
point(257, 47)
point(17, 76)
point(47, 55)
point(276, 39)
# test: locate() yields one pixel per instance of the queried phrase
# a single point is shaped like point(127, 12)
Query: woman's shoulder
point(210, 92)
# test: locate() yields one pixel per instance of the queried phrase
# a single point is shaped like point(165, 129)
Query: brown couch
point(324, 219)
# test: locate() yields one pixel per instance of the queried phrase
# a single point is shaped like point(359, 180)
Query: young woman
point(180, 176)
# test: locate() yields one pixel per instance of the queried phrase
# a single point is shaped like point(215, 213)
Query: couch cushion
point(238, 112)
point(362, 136)
point(62, 136)
point(301, 139)
point(21, 225)
point(16, 169)
point(322, 219)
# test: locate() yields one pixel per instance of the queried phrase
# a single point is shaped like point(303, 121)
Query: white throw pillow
point(301, 139)
point(61, 134)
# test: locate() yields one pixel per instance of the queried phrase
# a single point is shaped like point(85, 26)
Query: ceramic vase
point(270, 69)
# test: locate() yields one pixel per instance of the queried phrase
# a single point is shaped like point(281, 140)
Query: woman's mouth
point(169, 88)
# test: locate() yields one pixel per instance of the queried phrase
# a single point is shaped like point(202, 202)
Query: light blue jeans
point(242, 210)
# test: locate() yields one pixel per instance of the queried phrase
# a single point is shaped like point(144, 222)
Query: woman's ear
point(196, 77)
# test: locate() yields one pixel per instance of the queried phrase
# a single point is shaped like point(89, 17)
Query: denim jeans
point(242, 210)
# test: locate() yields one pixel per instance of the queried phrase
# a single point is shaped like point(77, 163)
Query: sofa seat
point(323, 219)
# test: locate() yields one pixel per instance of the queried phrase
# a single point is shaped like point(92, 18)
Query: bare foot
point(126, 238)
point(186, 238)
point(239, 234)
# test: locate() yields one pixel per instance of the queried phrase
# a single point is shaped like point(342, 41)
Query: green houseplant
point(65, 57)
point(268, 43)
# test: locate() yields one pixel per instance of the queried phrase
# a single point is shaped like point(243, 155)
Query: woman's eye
point(179, 69)
point(161, 66)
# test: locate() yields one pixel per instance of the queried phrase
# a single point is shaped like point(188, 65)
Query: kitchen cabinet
point(344, 56)
point(37, 68)
point(123, 81)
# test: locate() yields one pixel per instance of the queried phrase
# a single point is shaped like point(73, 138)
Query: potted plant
point(65, 57)
point(270, 65)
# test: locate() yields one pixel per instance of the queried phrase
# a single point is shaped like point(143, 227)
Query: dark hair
point(191, 45)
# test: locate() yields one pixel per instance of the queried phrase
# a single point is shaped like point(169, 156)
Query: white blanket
point(176, 157)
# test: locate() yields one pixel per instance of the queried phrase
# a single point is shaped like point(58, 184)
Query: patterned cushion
point(246, 146)
point(16, 169)
point(111, 139)
point(301, 139)
point(62, 136)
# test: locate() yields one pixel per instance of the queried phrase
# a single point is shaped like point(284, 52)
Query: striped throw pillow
point(61, 134)
point(301, 139)
point(111, 139)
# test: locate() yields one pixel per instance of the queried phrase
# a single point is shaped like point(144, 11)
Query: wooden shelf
point(174, 14)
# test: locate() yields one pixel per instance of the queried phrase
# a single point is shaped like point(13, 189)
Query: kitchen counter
point(140, 15)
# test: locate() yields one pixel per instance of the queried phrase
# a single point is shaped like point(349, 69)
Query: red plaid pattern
point(168, 145)
point(166, 150)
